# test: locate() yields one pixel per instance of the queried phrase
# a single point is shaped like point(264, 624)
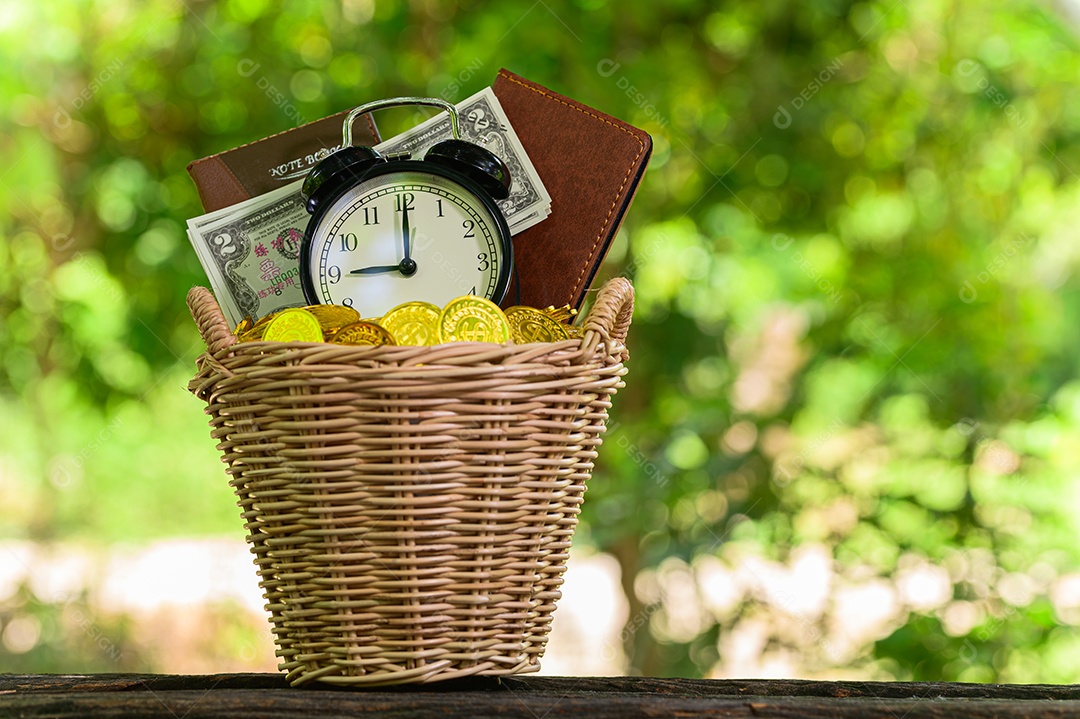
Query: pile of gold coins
point(465, 319)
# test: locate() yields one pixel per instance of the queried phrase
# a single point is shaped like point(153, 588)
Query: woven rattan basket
point(410, 509)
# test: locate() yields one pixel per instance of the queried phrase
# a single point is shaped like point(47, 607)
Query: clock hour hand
point(376, 270)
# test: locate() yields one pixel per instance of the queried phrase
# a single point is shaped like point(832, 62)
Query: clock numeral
point(484, 262)
point(371, 215)
point(468, 225)
point(347, 302)
point(439, 202)
point(473, 291)
point(404, 200)
point(335, 274)
point(348, 242)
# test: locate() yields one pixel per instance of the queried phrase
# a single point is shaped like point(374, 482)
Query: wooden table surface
point(267, 696)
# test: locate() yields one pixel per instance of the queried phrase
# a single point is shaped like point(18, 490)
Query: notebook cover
point(591, 165)
point(250, 170)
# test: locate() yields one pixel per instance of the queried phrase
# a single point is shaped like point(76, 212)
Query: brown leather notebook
point(250, 170)
point(591, 165)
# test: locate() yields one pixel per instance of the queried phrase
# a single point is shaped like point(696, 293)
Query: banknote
point(483, 122)
point(252, 258)
point(251, 250)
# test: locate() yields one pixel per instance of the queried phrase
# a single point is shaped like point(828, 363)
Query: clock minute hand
point(376, 270)
point(408, 264)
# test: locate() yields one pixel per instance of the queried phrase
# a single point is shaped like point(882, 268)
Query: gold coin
point(293, 325)
point(559, 314)
point(473, 319)
point(259, 328)
point(245, 326)
point(574, 332)
point(253, 336)
point(362, 333)
point(531, 325)
point(256, 332)
point(333, 317)
point(413, 323)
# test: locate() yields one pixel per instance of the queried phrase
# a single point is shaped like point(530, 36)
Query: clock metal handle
point(455, 126)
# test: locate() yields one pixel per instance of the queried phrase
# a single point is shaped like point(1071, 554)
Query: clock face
point(406, 236)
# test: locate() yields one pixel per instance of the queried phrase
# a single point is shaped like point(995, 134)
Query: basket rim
point(608, 320)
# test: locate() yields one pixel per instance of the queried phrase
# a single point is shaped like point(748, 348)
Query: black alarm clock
point(391, 229)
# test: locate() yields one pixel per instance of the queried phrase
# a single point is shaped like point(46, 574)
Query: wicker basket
point(410, 509)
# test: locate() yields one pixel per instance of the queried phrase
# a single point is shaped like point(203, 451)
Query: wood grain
point(268, 696)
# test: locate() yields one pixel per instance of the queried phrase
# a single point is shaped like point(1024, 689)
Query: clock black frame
point(390, 166)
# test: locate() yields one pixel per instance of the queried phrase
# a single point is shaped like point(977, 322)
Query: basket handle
point(211, 322)
point(610, 314)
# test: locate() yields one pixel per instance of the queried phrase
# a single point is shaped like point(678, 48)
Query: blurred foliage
point(856, 271)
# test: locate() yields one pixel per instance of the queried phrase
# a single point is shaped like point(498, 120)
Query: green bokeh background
point(854, 251)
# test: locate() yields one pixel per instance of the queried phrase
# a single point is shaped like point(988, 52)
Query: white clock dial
point(358, 250)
